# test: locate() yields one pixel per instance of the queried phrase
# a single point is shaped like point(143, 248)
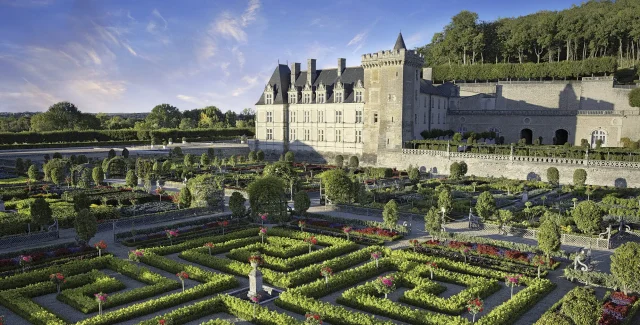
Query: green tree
point(433, 222)
point(266, 195)
point(289, 157)
point(504, 217)
point(204, 160)
point(579, 177)
point(40, 212)
point(339, 161)
point(260, 155)
point(588, 217)
point(111, 154)
point(354, 162)
point(625, 266)
point(32, 173)
point(86, 226)
point(252, 156)
point(548, 237)
point(164, 116)
point(553, 176)
point(184, 198)
point(188, 160)
point(57, 175)
point(486, 205)
point(337, 185)
point(125, 153)
point(59, 116)
point(390, 214)
point(97, 175)
point(301, 202)
point(57, 155)
point(236, 204)
point(414, 174)
point(455, 171)
point(445, 201)
point(582, 306)
point(634, 97)
point(81, 202)
point(131, 180)
point(463, 168)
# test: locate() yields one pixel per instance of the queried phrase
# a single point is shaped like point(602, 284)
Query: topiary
point(582, 306)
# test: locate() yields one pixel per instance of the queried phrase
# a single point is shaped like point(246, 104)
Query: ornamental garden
point(157, 246)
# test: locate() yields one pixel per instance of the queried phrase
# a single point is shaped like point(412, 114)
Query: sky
point(128, 56)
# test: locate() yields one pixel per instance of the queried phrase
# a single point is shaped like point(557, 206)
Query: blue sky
point(128, 56)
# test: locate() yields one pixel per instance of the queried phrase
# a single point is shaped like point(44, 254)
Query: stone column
point(255, 282)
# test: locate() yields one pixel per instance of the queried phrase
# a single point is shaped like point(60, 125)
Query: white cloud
point(151, 26)
point(207, 49)
point(224, 66)
point(191, 99)
point(359, 39)
point(230, 27)
point(156, 13)
point(250, 13)
point(239, 56)
point(128, 47)
point(249, 81)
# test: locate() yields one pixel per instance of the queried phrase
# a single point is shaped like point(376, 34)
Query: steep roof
point(280, 82)
point(399, 43)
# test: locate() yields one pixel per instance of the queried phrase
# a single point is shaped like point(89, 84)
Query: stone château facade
point(389, 99)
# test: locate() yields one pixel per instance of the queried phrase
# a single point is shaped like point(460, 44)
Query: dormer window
point(268, 95)
point(358, 96)
point(338, 93)
point(293, 98)
point(293, 95)
point(306, 98)
point(321, 93)
point(307, 94)
point(359, 92)
point(321, 98)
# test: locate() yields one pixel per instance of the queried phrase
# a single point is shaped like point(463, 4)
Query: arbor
point(32, 173)
point(390, 214)
point(553, 176)
point(86, 226)
point(301, 202)
point(97, 175)
point(634, 97)
point(266, 195)
point(354, 162)
point(445, 201)
point(57, 175)
point(289, 157)
point(433, 222)
point(486, 205)
point(588, 217)
point(548, 237)
point(40, 212)
point(625, 266)
point(337, 185)
point(236, 204)
point(579, 177)
point(582, 306)
point(184, 198)
point(131, 180)
point(339, 161)
point(455, 171)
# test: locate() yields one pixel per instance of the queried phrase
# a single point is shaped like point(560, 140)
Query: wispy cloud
point(26, 3)
point(191, 99)
point(249, 82)
point(359, 39)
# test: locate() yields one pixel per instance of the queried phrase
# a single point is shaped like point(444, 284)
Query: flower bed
point(358, 230)
point(619, 309)
point(45, 257)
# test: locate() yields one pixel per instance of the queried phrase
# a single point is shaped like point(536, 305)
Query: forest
point(594, 29)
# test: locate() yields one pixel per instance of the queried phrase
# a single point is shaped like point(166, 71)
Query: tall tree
point(164, 116)
point(40, 212)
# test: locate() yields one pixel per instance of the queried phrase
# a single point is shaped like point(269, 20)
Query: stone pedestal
point(255, 282)
point(525, 196)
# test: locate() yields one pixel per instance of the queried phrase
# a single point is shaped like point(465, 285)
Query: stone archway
point(561, 137)
point(527, 134)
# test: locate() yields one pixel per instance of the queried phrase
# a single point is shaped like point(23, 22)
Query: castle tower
point(392, 80)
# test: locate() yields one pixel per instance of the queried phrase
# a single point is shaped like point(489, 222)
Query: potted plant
point(209, 245)
point(182, 275)
point(255, 259)
point(262, 233)
point(326, 272)
point(475, 306)
point(58, 279)
point(101, 298)
point(385, 285)
point(100, 246)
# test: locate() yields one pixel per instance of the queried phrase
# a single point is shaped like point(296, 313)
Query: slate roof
point(399, 43)
point(446, 90)
point(329, 77)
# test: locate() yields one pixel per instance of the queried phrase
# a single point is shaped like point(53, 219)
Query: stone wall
point(439, 164)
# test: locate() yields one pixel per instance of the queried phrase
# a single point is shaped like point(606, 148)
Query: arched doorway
point(527, 134)
point(562, 137)
point(598, 135)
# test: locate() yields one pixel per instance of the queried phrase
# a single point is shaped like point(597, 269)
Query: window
point(307, 116)
point(268, 99)
point(375, 118)
point(598, 135)
point(307, 135)
point(320, 135)
point(338, 116)
point(293, 98)
point(269, 116)
point(358, 97)
point(269, 134)
point(338, 137)
point(321, 97)
point(358, 136)
point(306, 98)
point(358, 116)
point(320, 116)
point(292, 116)
point(339, 95)
point(292, 135)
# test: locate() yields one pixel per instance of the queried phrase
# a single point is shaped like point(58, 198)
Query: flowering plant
point(431, 266)
point(385, 285)
point(24, 260)
point(182, 275)
point(1, 320)
point(620, 298)
point(539, 261)
point(223, 224)
point(312, 319)
point(164, 322)
point(58, 279)
point(255, 298)
point(171, 233)
point(347, 230)
point(136, 254)
point(414, 243)
point(311, 241)
point(326, 272)
point(255, 259)
point(376, 256)
point(475, 306)
point(100, 245)
point(209, 245)
point(512, 281)
point(101, 298)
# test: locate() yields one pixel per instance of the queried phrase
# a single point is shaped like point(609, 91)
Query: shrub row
point(563, 69)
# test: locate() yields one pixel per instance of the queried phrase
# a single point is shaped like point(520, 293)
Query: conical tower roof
point(399, 43)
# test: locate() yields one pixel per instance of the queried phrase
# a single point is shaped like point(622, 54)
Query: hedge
point(118, 135)
point(558, 70)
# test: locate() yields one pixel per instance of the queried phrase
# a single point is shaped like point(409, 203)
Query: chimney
point(427, 74)
point(342, 64)
point(295, 72)
point(311, 71)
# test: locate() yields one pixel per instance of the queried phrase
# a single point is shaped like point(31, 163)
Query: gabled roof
point(399, 43)
point(280, 82)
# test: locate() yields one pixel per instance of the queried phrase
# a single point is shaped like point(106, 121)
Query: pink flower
point(26, 258)
point(101, 297)
point(263, 231)
point(376, 255)
point(264, 216)
point(388, 281)
point(347, 229)
point(255, 298)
